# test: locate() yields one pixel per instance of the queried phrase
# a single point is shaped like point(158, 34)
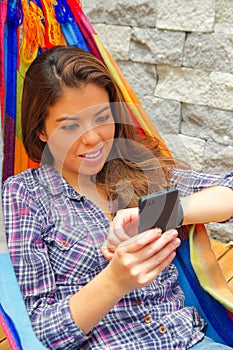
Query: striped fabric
point(63, 23)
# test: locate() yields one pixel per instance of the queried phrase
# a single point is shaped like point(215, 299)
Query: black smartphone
point(159, 209)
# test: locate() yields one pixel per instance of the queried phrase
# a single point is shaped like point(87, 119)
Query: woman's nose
point(91, 136)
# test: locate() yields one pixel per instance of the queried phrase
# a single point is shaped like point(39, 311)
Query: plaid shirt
point(54, 236)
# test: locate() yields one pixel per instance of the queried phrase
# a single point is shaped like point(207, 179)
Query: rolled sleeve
point(54, 325)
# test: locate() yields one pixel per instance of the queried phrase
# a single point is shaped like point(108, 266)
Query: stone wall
point(178, 57)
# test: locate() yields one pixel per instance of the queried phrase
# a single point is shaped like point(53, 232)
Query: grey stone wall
point(178, 57)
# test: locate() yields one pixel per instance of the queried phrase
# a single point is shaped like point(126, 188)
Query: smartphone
point(159, 209)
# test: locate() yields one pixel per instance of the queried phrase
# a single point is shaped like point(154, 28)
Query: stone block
point(142, 78)
point(116, 40)
point(195, 86)
point(186, 15)
point(222, 232)
point(198, 47)
point(207, 123)
point(224, 16)
point(95, 12)
point(192, 151)
point(165, 114)
point(157, 46)
point(140, 13)
point(185, 149)
point(217, 158)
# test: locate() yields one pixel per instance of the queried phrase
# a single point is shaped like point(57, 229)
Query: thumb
point(107, 253)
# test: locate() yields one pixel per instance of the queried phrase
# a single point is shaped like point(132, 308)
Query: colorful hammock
point(27, 28)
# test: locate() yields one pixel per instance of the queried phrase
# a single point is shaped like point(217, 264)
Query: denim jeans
point(209, 344)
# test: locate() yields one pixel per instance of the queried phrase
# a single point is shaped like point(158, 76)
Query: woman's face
point(80, 130)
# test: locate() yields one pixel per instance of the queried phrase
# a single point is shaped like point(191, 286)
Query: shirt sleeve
point(51, 318)
point(189, 181)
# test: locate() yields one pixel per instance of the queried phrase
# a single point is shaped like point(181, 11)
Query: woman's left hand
point(123, 226)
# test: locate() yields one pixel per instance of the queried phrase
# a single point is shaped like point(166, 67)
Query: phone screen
point(159, 209)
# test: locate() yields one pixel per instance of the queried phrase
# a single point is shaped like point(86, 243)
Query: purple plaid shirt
point(54, 238)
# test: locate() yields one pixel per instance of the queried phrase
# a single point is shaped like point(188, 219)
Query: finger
point(166, 238)
point(167, 261)
point(165, 252)
point(122, 227)
point(147, 271)
point(155, 272)
point(128, 219)
point(160, 248)
point(139, 241)
point(150, 251)
point(108, 254)
point(124, 216)
point(116, 235)
point(155, 253)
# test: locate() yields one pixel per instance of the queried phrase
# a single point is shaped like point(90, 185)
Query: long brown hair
point(136, 164)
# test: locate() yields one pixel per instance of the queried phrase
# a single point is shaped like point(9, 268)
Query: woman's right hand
point(139, 260)
point(135, 261)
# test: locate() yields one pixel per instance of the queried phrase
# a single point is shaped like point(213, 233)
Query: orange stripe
point(21, 158)
point(32, 164)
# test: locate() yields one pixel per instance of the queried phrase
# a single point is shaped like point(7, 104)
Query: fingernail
point(171, 232)
point(177, 241)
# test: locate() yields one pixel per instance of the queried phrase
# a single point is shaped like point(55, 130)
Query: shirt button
point(64, 243)
point(148, 319)
point(162, 329)
point(138, 302)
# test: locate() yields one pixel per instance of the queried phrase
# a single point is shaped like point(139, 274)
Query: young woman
point(94, 163)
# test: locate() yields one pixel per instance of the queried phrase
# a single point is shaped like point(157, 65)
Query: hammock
point(27, 28)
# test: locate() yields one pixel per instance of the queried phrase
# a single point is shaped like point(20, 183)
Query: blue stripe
point(219, 323)
point(13, 308)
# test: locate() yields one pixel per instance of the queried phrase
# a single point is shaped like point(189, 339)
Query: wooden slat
point(224, 254)
point(2, 334)
point(218, 247)
point(226, 264)
point(230, 284)
point(4, 345)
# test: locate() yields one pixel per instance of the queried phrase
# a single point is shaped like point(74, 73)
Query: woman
point(94, 162)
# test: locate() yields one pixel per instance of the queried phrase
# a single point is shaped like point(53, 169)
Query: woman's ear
point(42, 136)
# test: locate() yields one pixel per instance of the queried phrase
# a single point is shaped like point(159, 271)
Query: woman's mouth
point(94, 156)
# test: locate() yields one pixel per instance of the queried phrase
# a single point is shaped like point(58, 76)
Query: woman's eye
point(70, 127)
point(103, 118)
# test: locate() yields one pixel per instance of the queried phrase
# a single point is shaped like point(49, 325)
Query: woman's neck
point(85, 186)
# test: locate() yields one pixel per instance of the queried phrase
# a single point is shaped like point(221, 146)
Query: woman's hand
point(139, 260)
point(136, 261)
point(123, 226)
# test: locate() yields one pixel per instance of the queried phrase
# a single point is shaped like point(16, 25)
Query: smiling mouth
point(92, 155)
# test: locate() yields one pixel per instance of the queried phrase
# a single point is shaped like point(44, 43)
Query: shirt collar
point(52, 180)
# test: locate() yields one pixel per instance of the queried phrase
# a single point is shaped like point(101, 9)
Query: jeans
point(209, 344)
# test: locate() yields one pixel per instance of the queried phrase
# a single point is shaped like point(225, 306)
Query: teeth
point(93, 155)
